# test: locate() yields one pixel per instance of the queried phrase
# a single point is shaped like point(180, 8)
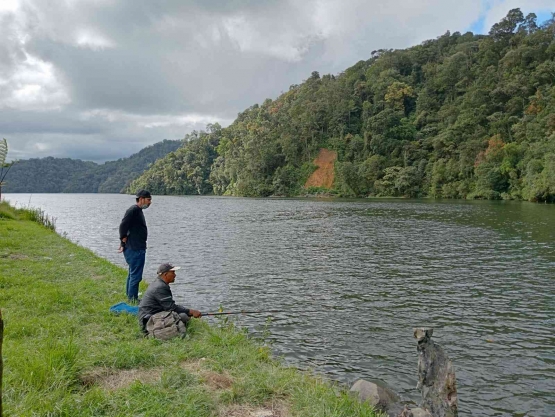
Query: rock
point(414, 412)
point(405, 413)
point(380, 397)
point(419, 412)
point(436, 376)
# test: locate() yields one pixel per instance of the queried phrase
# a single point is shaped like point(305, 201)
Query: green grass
point(36, 215)
point(66, 355)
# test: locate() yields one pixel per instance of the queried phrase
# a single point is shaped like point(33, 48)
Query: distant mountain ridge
point(66, 175)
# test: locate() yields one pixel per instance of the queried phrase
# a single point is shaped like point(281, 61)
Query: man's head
point(143, 199)
point(167, 272)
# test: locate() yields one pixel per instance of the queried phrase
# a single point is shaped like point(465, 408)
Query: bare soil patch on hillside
point(324, 175)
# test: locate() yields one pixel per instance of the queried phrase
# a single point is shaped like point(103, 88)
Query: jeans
point(136, 261)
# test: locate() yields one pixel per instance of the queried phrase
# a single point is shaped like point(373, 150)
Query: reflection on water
point(353, 278)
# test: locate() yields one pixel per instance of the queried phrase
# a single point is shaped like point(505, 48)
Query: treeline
point(461, 116)
point(65, 175)
point(185, 171)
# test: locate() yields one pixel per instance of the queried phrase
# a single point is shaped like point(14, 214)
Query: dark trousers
point(184, 318)
point(136, 261)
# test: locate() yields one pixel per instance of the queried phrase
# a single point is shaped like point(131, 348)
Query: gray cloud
point(101, 79)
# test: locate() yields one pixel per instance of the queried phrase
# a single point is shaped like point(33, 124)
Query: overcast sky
point(102, 79)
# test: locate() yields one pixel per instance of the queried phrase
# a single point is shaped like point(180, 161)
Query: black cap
point(143, 193)
point(166, 267)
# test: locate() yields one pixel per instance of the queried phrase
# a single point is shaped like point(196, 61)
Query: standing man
point(132, 235)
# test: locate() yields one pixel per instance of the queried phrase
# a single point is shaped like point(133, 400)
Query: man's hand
point(122, 245)
point(195, 313)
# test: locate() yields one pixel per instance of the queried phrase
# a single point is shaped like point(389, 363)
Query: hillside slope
point(65, 175)
point(44, 175)
point(460, 116)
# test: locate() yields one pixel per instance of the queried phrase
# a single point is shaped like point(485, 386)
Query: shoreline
point(314, 196)
point(66, 354)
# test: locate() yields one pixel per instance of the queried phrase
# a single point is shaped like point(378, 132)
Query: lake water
point(353, 278)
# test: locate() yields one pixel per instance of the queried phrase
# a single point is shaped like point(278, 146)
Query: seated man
point(158, 297)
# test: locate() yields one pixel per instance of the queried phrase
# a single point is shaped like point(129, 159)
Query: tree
point(4, 167)
point(507, 26)
point(398, 96)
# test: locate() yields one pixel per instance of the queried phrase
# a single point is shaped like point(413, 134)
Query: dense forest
point(65, 175)
point(461, 116)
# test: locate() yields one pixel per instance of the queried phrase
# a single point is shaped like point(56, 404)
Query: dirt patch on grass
point(217, 381)
point(324, 175)
point(112, 380)
point(273, 410)
point(214, 380)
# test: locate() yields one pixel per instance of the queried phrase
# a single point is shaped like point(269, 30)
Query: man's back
point(155, 299)
point(133, 226)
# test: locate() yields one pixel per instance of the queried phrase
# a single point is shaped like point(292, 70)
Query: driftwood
point(436, 376)
point(436, 381)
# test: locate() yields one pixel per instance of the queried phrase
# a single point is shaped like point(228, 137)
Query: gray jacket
point(158, 297)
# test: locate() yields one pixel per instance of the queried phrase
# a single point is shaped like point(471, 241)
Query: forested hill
point(65, 175)
point(461, 116)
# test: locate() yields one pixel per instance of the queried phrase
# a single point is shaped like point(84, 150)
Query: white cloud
point(282, 39)
point(33, 85)
point(353, 32)
point(95, 41)
point(9, 6)
point(154, 120)
point(104, 78)
point(41, 147)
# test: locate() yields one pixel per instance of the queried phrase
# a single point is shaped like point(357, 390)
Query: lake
point(352, 278)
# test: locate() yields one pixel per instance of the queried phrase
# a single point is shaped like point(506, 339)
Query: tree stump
point(436, 376)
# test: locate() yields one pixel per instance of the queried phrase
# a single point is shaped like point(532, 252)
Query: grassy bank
point(66, 355)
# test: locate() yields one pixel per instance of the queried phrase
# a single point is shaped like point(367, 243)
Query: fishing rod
point(222, 313)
